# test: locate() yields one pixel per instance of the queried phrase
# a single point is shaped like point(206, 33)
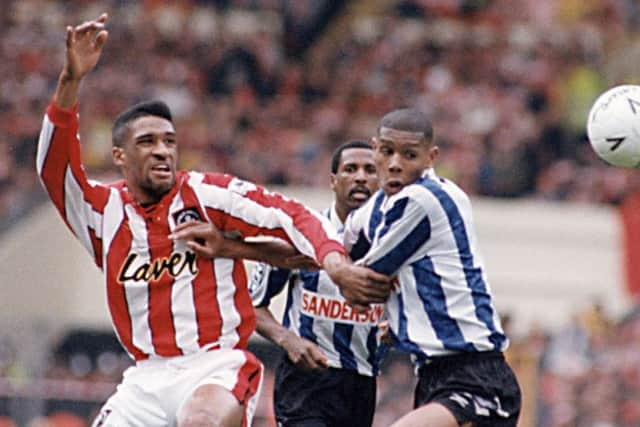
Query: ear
point(118, 156)
point(332, 182)
point(433, 153)
point(374, 142)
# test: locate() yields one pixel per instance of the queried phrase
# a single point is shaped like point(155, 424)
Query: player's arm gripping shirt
point(424, 234)
point(316, 310)
point(163, 300)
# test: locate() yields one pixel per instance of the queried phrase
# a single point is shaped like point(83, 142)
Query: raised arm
point(58, 163)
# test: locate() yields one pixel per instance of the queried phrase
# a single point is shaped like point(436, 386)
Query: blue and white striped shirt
point(425, 236)
point(316, 310)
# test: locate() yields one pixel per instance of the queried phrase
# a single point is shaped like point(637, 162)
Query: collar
point(429, 173)
point(332, 214)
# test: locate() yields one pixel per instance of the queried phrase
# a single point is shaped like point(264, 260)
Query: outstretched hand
point(84, 47)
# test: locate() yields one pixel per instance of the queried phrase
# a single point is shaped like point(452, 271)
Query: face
point(401, 158)
point(148, 158)
point(355, 180)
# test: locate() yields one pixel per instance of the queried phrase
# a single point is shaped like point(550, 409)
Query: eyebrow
point(150, 135)
point(405, 145)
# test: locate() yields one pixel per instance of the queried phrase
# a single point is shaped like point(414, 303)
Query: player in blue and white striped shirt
point(320, 329)
point(419, 228)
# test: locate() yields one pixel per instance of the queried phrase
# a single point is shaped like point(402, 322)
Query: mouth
point(359, 194)
point(394, 186)
point(161, 171)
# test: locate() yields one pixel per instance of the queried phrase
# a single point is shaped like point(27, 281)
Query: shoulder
point(438, 191)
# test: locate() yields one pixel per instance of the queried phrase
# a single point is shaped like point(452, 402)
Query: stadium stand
point(280, 84)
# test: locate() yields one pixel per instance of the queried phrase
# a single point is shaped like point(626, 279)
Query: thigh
point(211, 404)
point(131, 407)
point(232, 376)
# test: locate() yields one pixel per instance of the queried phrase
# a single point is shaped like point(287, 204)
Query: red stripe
point(163, 332)
point(248, 380)
point(96, 244)
point(243, 304)
point(234, 223)
point(116, 296)
point(303, 220)
point(218, 179)
point(630, 215)
point(205, 287)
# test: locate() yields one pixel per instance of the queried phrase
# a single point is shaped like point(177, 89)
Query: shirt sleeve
point(266, 282)
point(252, 210)
point(79, 201)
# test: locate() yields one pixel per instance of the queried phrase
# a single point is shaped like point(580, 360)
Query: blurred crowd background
point(266, 89)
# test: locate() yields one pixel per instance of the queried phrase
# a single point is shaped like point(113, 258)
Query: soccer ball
point(613, 126)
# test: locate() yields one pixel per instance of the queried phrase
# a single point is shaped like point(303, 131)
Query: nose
point(160, 149)
point(394, 164)
point(361, 176)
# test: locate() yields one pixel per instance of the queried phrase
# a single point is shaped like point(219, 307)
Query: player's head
point(353, 176)
point(403, 148)
point(145, 149)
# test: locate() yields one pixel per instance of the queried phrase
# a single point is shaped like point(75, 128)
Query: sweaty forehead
point(150, 125)
point(388, 134)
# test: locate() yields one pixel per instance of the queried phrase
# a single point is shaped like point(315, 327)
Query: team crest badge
point(186, 215)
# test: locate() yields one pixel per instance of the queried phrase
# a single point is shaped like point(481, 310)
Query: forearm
point(271, 252)
point(66, 94)
point(269, 327)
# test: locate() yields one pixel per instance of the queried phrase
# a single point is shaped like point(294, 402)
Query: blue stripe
point(376, 350)
point(473, 275)
point(360, 248)
point(429, 288)
point(376, 215)
point(310, 282)
point(342, 333)
point(390, 263)
point(276, 281)
point(286, 320)
point(404, 343)
point(393, 214)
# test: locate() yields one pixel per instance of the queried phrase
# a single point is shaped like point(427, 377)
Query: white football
point(613, 126)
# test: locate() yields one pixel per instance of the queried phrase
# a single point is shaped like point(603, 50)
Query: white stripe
point(137, 292)
point(419, 327)
point(226, 291)
point(44, 142)
point(258, 215)
point(182, 303)
point(77, 211)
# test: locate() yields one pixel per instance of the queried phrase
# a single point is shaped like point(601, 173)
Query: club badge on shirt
point(186, 215)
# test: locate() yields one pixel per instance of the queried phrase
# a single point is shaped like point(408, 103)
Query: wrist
point(67, 78)
point(334, 263)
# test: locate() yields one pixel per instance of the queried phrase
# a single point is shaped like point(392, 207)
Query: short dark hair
point(145, 108)
point(337, 154)
point(410, 120)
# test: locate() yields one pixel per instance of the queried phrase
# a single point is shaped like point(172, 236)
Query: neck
point(343, 212)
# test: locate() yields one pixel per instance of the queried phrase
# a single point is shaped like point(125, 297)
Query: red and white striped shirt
point(165, 301)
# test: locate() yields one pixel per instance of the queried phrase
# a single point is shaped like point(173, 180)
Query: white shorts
point(153, 391)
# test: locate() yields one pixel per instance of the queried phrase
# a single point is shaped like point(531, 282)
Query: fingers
point(379, 278)
point(95, 27)
point(101, 39)
point(191, 230)
point(186, 225)
point(203, 251)
point(360, 308)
